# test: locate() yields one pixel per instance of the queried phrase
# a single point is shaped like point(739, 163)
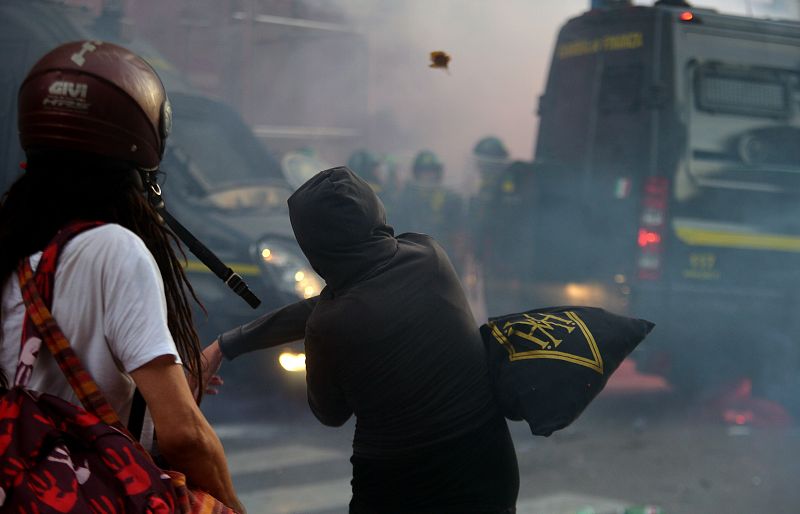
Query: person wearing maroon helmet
point(93, 120)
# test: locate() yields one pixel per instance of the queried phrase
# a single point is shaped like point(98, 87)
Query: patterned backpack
point(58, 457)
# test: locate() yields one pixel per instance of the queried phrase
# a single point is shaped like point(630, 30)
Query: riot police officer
point(502, 224)
point(378, 173)
point(367, 166)
point(491, 159)
point(491, 156)
point(426, 205)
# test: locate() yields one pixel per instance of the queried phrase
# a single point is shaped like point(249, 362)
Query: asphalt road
point(628, 448)
point(638, 443)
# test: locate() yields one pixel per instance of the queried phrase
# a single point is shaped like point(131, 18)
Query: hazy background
point(355, 73)
point(500, 53)
point(382, 94)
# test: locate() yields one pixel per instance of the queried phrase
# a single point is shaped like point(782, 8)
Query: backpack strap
point(79, 379)
point(40, 325)
point(30, 342)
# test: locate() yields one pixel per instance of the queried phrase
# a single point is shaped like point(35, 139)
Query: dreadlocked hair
point(59, 187)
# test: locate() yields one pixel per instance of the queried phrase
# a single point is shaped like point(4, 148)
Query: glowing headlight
point(288, 268)
point(293, 362)
point(594, 294)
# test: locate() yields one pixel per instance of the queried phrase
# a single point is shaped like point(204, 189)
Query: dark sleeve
point(277, 327)
point(325, 395)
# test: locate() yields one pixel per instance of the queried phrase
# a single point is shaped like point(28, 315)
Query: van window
point(753, 92)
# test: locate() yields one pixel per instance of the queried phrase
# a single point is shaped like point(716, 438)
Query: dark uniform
point(500, 215)
point(425, 205)
point(491, 157)
point(369, 167)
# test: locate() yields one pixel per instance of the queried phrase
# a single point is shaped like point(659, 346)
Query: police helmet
point(426, 161)
point(490, 148)
point(364, 164)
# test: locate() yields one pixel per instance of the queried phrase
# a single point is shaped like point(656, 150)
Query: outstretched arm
point(280, 326)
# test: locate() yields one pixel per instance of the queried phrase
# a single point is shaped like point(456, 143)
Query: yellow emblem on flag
point(548, 332)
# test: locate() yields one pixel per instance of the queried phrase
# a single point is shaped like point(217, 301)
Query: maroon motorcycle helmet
point(95, 97)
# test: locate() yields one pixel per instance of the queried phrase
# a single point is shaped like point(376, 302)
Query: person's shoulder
point(108, 232)
point(110, 241)
point(422, 242)
point(431, 254)
point(332, 316)
point(421, 251)
point(415, 238)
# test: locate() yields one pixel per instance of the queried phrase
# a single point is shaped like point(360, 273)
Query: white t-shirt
point(108, 299)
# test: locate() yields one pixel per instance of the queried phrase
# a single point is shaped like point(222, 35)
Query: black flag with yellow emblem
point(548, 364)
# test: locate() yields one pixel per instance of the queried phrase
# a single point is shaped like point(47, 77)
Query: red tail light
point(648, 237)
point(652, 225)
point(689, 17)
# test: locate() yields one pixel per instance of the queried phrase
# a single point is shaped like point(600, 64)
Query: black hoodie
point(391, 338)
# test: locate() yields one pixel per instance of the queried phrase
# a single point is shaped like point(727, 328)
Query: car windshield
point(224, 162)
point(216, 156)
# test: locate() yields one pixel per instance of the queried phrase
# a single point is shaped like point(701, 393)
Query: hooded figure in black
point(392, 340)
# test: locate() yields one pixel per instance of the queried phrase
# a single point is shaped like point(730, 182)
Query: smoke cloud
point(500, 54)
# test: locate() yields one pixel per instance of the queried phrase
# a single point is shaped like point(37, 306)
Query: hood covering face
point(340, 224)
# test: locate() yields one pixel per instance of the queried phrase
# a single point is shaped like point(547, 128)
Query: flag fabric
point(548, 364)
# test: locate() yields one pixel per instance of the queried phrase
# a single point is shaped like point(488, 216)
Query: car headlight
point(288, 268)
point(293, 362)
